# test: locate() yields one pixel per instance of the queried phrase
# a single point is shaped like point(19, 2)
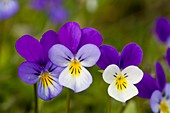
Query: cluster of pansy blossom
point(8, 8)
point(53, 8)
point(121, 71)
point(69, 52)
point(59, 60)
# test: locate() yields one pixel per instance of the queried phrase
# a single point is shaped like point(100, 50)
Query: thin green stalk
point(68, 101)
point(109, 105)
point(123, 107)
point(35, 99)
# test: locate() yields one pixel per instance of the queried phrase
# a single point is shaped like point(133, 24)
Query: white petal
point(66, 79)
point(122, 95)
point(109, 72)
point(88, 55)
point(76, 83)
point(133, 73)
point(60, 55)
point(83, 81)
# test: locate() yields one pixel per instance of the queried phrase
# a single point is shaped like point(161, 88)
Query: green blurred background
point(119, 21)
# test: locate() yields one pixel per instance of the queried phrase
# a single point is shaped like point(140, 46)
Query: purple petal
point(29, 72)
point(146, 86)
point(51, 88)
point(60, 55)
point(90, 36)
point(88, 55)
point(168, 56)
point(69, 35)
point(8, 8)
point(48, 39)
point(155, 100)
point(109, 55)
point(58, 15)
point(161, 78)
point(29, 48)
point(162, 29)
point(131, 55)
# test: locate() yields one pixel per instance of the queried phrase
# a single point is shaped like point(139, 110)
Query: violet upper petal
point(131, 55)
point(161, 78)
point(30, 48)
point(168, 56)
point(29, 72)
point(48, 39)
point(109, 55)
point(90, 36)
point(69, 35)
point(162, 29)
point(147, 86)
point(167, 90)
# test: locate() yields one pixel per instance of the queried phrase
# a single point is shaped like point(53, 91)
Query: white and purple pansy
point(78, 49)
point(121, 71)
point(8, 8)
point(38, 68)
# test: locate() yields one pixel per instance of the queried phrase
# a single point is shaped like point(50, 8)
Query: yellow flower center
point(75, 68)
point(164, 107)
point(46, 79)
point(121, 82)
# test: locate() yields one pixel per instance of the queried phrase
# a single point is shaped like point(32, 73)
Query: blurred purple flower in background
point(121, 71)
point(38, 67)
point(78, 49)
point(162, 30)
point(8, 8)
point(54, 9)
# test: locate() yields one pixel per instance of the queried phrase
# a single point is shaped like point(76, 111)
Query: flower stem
point(35, 99)
point(109, 105)
point(68, 101)
point(123, 107)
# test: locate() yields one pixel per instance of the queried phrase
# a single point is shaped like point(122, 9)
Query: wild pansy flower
point(78, 49)
point(38, 67)
point(162, 30)
point(160, 101)
point(121, 71)
point(54, 9)
point(148, 84)
point(8, 8)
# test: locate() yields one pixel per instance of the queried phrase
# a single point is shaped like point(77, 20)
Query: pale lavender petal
point(167, 91)
point(147, 86)
point(29, 72)
point(49, 91)
point(161, 78)
point(88, 55)
point(155, 100)
point(109, 55)
point(53, 69)
point(60, 55)
point(69, 35)
point(90, 36)
point(131, 55)
point(162, 29)
point(48, 39)
point(8, 8)
point(168, 56)
point(58, 15)
point(29, 48)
